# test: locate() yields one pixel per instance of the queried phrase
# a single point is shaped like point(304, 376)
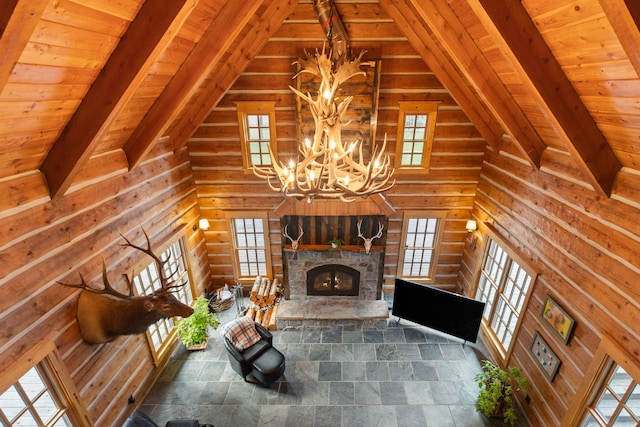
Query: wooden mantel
point(323, 248)
point(375, 204)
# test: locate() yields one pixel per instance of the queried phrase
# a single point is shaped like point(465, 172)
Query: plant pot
point(196, 347)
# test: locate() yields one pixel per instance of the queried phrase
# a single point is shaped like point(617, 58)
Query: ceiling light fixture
point(328, 167)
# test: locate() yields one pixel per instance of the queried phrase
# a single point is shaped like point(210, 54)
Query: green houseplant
point(192, 331)
point(497, 391)
point(336, 242)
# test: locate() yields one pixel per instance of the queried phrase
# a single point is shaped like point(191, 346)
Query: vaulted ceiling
point(89, 81)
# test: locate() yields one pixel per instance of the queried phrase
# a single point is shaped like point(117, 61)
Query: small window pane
point(409, 120)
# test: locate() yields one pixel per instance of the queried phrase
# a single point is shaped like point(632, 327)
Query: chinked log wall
point(582, 246)
point(44, 241)
point(456, 158)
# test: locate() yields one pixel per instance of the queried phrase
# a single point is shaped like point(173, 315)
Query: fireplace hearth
point(333, 279)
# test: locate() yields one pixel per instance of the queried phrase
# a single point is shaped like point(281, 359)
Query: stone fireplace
point(364, 271)
point(327, 288)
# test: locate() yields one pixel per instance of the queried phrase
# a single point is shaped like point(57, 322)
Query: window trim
point(608, 351)
point(430, 108)
point(230, 216)
point(407, 215)
point(512, 253)
point(163, 350)
point(245, 108)
point(46, 353)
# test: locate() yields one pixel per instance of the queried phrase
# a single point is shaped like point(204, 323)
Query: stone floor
point(406, 375)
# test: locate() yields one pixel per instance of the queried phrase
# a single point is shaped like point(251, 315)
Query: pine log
point(271, 325)
point(267, 317)
point(251, 312)
point(259, 315)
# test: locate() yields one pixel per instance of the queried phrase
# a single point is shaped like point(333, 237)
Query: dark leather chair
point(140, 419)
point(260, 363)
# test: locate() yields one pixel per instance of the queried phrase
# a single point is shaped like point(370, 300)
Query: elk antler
point(107, 289)
point(294, 243)
point(368, 241)
point(165, 282)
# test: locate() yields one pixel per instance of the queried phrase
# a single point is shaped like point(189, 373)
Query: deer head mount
point(368, 241)
point(294, 242)
point(104, 313)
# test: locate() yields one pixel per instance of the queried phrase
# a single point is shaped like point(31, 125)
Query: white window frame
point(409, 243)
point(415, 137)
point(162, 334)
point(505, 298)
point(253, 148)
point(59, 388)
point(260, 265)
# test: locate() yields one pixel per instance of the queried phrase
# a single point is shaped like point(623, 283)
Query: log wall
point(44, 241)
point(584, 248)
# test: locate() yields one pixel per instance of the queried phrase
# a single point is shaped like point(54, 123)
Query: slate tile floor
point(406, 375)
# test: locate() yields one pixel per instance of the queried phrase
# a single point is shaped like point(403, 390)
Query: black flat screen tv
point(453, 314)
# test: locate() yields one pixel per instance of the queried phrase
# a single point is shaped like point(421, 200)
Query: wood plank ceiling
point(82, 82)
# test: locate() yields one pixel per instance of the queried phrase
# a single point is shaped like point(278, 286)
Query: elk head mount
point(104, 314)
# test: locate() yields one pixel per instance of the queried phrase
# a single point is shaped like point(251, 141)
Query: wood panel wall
point(583, 248)
point(44, 241)
point(457, 154)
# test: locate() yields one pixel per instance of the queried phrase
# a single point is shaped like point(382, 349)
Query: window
point(160, 334)
point(617, 402)
point(416, 127)
point(610, 392)
point(504, 286)
point(40, 394)
point(250, 242)
point(257, 133)
point(420, 237)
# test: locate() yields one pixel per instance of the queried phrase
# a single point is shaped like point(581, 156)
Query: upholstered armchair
point(251, 353)
point(140, 419)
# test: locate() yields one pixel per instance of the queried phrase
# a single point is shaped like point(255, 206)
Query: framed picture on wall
point(546, 358)
point(558, 319)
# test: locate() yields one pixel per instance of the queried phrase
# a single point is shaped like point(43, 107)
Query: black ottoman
point(268, 367)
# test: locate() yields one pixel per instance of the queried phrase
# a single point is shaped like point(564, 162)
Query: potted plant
point(336, 242)
point(497, 391)
point(192, 331)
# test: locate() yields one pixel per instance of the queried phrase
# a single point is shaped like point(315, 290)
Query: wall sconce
point(203, 224)
point(471, 228)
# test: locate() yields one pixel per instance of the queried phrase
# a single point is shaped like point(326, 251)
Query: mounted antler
point(103, 314)
point(294, 243)
point(368, 241)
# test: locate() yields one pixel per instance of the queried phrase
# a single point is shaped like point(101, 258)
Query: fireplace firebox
point(333, 279)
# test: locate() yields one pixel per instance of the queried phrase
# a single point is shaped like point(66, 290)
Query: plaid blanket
point(241, 332)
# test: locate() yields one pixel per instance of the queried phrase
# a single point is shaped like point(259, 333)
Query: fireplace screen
point(333, 279)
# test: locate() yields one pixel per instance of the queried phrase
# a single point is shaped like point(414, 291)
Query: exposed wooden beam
point(153, 28)
point(18, 20)
point(459, 45)
point(226, 73)
point(624, 16)
point(210, 50)
point(422, 39)
point(516, 34)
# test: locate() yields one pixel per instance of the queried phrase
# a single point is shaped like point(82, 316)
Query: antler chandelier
point(328, 167)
